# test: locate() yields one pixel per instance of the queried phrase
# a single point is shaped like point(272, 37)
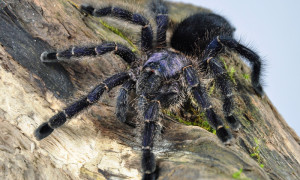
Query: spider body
point(161, 79)
point(167, 76)
point(166, 63)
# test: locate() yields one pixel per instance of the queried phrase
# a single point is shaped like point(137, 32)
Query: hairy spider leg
point(214, 48)
point(122, 100)
point(135, 18)
point(125, 53)
point(151, 120)
point(142, 103)
point(146, 82)
point(223, 82)
point(60, 118)
point(199, 93)
point(153, 95)
point(161, 16)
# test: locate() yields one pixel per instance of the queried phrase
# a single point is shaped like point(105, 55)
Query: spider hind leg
point(215, 48)
point(201, 97)
point(252, 57)
point(208, 33)
point(223, 82)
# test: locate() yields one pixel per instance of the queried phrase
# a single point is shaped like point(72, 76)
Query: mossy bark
point(94, 145)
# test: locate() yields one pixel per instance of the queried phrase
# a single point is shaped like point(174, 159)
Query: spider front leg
point(215, 47)
point(60, 118)
point(151, 121)
point(101, 49)
point(135, 18)
point(199, 93)
point(161, 16)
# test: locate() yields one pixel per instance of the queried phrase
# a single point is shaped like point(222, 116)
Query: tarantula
point(167, 76)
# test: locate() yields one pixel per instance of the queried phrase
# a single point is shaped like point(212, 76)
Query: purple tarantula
point(167, 76)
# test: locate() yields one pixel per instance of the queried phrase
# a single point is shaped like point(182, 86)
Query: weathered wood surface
point(94, 145)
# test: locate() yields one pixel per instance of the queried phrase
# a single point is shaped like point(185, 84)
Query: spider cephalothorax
point(167, 77)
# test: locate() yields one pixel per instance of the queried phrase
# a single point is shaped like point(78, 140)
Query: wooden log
point(94, 145)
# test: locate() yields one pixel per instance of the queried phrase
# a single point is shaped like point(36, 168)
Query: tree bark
point(94, 145)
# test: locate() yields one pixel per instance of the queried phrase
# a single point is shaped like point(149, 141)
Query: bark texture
point(94, 145)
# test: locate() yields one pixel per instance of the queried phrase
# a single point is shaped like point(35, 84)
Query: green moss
point(212, 88)
point(225, 65)
point(72, 3)
point(256, 153)
point(246, 76)
point(119, 33)
point(237, 175)
point(230, 72)
point(197, 118)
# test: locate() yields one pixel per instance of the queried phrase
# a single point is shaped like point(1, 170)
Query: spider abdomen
point(194, 33)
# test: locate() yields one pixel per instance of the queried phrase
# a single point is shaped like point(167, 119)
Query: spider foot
point(87, 9)
point(151, 176)
point(43, 131)
point(148, 165)
point(259, 90)
point(148, 161)
point(233, 122)
point(224, 135)
point(47, 57)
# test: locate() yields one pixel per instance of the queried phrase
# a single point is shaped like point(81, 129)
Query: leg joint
point(146, 148)
point(207, 108)
point(156, 101)
point(219, 41)
point(219, 127)
point(186, 67)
